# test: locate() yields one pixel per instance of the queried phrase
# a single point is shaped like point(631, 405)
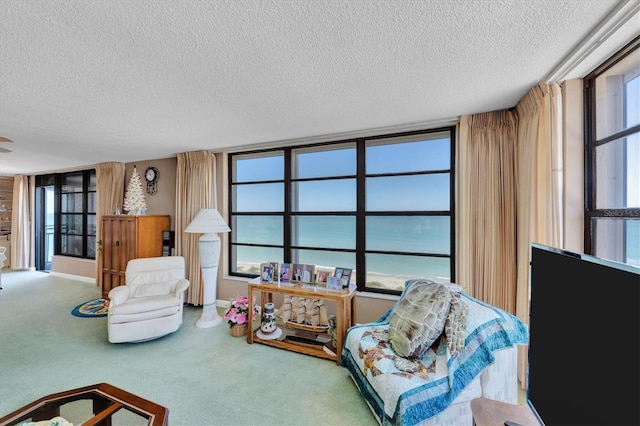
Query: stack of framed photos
point(302, 273)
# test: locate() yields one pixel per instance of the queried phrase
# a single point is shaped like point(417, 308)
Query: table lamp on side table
point(208, 222)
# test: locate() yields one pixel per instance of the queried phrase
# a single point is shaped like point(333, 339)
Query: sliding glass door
point(44, 226)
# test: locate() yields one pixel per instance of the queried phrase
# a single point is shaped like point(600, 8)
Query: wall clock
point(151, 176)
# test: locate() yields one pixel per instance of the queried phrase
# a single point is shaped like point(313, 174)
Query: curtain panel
point(539, 181)
point(509, 194)
point(487, 207)
point(21, 224)
point(109, 194)
point(195, 190)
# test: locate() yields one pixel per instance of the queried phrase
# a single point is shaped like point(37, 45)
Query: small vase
point(239, 330)
point(268, 319)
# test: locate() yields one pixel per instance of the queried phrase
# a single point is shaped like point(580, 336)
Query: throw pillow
point(456, 325)
point(418, 318)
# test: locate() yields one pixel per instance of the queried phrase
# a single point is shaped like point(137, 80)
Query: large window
point(612, 216)
point(73, 223)
point(381, 206)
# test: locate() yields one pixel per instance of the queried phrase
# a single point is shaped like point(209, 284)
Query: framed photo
point(322, 276)
point(334, 283)
point(266, 273)
point(285, 272)
point(302, 273)
point(345, 275)
point(276, 270)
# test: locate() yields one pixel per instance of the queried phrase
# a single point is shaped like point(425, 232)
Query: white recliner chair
point(150, 303)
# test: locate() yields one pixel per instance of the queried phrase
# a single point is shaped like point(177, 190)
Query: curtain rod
point(620, 15)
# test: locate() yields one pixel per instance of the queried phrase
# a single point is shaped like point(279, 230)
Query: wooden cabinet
point(126, 237)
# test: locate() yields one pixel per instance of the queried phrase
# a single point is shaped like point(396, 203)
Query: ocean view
point(410, 234)
point(401, 234)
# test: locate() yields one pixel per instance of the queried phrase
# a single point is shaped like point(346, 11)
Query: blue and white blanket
point(400, 397)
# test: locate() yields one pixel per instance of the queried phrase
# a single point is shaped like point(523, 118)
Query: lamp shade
point(207, 221)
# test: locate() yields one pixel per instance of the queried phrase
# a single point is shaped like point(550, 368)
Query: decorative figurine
point(268, 319)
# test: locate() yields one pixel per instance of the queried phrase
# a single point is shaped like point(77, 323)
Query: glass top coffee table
point(101, 404)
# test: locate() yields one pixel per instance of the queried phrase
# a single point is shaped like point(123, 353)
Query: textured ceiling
point(84, 82)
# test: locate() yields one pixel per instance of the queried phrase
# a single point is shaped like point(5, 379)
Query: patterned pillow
point(456, 325)
point(418, 318)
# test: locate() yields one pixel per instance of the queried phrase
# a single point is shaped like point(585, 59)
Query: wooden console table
point(345, 315)
point(106, 401)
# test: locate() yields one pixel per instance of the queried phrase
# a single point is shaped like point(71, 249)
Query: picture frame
point(322, 276)
point(302, 273)
point(266, 273)
point(285, 272)
point(276, 270)
point(334, 283)
point(344, 274)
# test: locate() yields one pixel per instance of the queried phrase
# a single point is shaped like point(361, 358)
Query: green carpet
point(204, 376)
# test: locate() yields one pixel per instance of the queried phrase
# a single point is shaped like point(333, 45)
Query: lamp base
point(209, 317)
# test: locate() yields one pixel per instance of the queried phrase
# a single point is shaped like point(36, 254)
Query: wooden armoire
point(126, 237)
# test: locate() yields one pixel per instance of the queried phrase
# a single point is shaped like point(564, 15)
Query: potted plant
point(237, 315)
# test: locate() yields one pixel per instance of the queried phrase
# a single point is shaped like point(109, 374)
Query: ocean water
point(633, 242)
point(399, 234)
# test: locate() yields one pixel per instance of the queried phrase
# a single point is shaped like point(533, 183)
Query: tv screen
point(584, 332)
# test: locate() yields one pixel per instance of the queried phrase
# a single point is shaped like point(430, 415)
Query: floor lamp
point(208, 222)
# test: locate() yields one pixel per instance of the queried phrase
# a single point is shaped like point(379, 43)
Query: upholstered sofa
point(434, 351)
point(150, 304)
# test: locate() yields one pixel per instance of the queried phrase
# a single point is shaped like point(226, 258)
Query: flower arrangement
point(238, 311)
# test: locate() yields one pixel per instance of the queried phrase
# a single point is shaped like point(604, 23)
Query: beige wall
point(163, 201)
point(573, 134)
point(72, 266)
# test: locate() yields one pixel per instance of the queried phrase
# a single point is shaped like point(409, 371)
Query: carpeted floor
point(204, 376)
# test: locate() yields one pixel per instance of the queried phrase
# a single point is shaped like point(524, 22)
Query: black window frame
point(58, 180)
point(592, 142)
point(360, 214)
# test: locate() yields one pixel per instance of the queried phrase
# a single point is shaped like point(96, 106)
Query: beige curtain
point(110, 193)
point(486, 237)
point(21, 224)
point(195, 190)
point(509, 190)
point(539, 182)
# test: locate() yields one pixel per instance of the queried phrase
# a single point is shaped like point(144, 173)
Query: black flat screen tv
point(584, 333)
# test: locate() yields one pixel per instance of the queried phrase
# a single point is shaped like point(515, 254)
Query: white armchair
point(150, 303)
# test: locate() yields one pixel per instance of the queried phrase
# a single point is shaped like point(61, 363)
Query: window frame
point(592, 142)
point(360, 212)
point(88, 211)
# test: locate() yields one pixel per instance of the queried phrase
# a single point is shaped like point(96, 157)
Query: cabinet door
point(149, 238)
point(119, 246)
point(108, 253)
